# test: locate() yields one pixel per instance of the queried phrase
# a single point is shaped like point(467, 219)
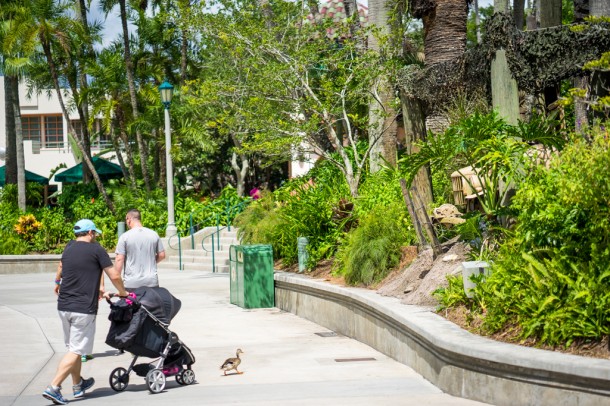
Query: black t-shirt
point(82, 266)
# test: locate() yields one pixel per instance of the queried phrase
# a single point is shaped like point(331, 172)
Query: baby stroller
point(140, 325)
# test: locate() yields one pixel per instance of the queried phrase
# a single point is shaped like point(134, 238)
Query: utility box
point(251, 274)
point(469, 269)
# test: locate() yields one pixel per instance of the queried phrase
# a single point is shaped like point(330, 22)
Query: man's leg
point(68, 366)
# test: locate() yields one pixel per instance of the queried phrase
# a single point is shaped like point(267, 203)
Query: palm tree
point(16, 48)
point(50, 22)
point(110, 99)
point(107, 6)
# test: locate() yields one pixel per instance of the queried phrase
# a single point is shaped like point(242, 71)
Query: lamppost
point(167, 91)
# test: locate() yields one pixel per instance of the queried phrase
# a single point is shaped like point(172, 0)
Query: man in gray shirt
point(138, 252)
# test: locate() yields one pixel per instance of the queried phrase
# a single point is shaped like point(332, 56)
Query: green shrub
point(97, 211)
point(453, 295)
point(55, 231)
point(551, 278)
point(11, 244)
point(373, 249)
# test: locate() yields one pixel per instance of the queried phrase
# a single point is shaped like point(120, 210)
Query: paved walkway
point(284, 362)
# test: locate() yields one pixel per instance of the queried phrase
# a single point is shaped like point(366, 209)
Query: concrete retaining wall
point(456, 361)
point(15, 264)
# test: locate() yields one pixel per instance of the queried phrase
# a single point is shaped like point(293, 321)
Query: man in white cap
point(83, 262)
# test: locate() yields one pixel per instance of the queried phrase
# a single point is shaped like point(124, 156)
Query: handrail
point(228, 213)
point(217, 232)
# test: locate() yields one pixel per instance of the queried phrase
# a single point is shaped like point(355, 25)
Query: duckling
point(232, 363)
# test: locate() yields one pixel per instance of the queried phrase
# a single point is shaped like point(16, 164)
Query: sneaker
point(85, 384)
point(54, 395)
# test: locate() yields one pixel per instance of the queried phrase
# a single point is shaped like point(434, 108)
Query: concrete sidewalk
point(284, 362)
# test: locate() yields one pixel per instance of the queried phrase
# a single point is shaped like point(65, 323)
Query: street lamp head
point(167, 91)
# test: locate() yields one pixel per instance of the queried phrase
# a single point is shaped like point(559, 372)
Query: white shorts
point(79, 331)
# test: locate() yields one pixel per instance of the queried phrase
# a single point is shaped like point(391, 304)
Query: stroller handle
point(114, 295)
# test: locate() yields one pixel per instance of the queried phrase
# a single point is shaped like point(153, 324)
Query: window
point(54, 132)
point(31, 128)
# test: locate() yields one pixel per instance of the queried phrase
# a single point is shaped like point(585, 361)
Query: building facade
point(45, 132)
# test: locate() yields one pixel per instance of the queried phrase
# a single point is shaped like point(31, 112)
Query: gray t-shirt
point(140, 247)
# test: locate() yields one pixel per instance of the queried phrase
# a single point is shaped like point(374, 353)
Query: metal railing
point(228, 214)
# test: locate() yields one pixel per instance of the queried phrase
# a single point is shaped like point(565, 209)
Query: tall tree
point(298, 86)
point(382, 113)
point(107, 6)
point(50, 23)
point(17, 49)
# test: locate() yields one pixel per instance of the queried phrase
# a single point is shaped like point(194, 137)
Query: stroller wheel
point(179, 379)
point(155, 379)
point(187, 377)
point(119, 379)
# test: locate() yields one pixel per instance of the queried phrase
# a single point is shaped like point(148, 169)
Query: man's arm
point(160, 256)
point(115, 278)
point(58, 278)
point(119, 262)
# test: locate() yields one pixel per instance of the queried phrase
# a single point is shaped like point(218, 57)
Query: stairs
point(199, 259)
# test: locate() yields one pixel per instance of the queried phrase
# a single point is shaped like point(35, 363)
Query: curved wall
point(456, 361)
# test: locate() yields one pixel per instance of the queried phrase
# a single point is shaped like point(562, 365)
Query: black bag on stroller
point(140, 325)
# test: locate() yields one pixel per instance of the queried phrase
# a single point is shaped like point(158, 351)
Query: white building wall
point(37, 159)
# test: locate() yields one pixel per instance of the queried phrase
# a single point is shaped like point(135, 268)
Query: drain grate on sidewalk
point(354, 359)
point(327, 334)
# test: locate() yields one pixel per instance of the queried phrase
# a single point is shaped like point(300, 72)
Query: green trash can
point(251, 273)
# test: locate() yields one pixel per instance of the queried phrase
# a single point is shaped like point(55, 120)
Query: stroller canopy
point(162, 304)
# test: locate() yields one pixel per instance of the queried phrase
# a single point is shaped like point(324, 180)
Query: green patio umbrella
point(29, 177)
point(105, 169)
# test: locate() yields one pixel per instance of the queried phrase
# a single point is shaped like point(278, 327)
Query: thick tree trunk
point(382, 117)
point(445, 31)
point(11, 135)
point(519, 14)
point(444, 42)
point(21, 197)
point(415, 132)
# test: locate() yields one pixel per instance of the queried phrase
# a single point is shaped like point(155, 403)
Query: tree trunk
point(415, 131)
point(477, 21)
point(445, 31)
point(131, 165)
point(550, 16)
point(581, 119)
point(132, 95)
point(10, 168)
point(21, 197)
point(599, 7)
point(519, 14)
point(119, 155)
point(82, 102)
point(382, 117)
point(600, 79)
